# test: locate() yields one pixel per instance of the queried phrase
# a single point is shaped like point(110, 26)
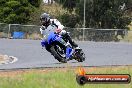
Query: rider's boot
point(74, 45)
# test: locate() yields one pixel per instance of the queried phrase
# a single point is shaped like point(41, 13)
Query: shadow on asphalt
point(61, 63)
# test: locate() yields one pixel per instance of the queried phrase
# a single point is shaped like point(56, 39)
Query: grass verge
point(128, 38)
point(58, 78)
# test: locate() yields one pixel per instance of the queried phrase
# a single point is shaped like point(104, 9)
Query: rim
point(81, 53)
point(60, 51)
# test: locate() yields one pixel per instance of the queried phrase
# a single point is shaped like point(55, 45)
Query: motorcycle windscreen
point(49, 29)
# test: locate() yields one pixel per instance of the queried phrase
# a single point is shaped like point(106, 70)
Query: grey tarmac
point(31, 55)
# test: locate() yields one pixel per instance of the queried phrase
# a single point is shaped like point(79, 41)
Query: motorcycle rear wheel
point(80, 56)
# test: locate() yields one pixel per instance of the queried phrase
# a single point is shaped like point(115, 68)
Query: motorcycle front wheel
point(58, 54)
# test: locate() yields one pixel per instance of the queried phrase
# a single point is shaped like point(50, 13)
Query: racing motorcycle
point(62, 52)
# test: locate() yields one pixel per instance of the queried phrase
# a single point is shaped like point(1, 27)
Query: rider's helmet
point(45, 19)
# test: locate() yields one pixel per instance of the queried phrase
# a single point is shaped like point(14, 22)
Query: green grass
point(61, 78)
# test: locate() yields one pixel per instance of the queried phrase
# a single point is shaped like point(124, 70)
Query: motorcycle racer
point(46, 20)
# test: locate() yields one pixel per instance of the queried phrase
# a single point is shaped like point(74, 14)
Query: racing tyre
point(57, 56)
point(81, 56)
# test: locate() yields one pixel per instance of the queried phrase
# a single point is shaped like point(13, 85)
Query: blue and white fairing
point(49, 36)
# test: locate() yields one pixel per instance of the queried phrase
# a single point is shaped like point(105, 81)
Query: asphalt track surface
point(31, 55)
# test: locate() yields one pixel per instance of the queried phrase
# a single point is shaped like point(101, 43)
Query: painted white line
point(14, 59)
point(8, 60)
